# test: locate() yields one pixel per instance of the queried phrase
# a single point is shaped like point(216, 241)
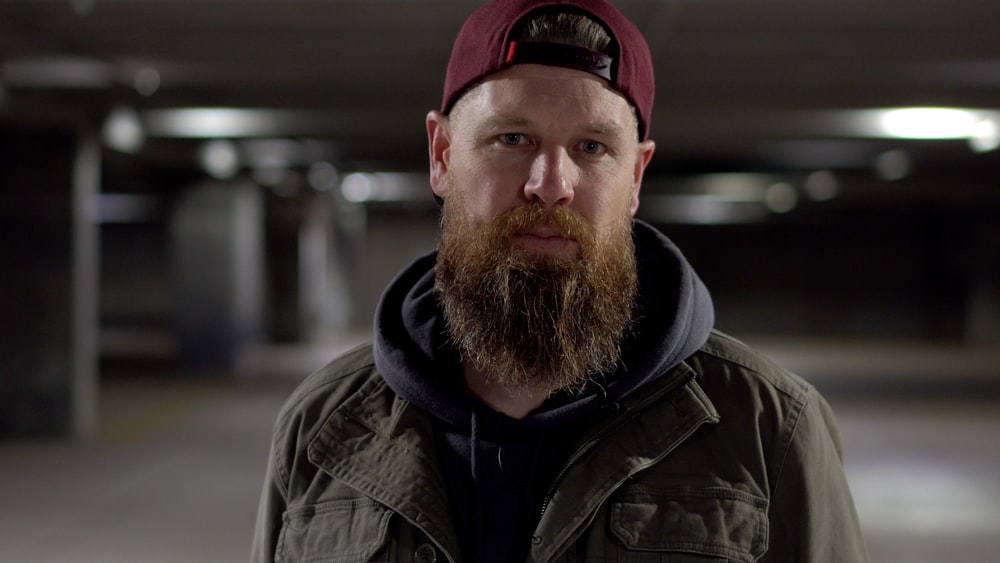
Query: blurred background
point(203, 199)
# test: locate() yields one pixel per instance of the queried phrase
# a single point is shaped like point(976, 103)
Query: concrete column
point(982, 326)
point(217, 262)
point(307, 270)
point(85, 312)
point(48, 293)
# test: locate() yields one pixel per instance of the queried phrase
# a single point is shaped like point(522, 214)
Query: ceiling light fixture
point(209, 123)
point(928, 123)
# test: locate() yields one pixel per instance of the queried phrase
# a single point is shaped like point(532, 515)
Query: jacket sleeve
point(812, 515)
point(273, 500)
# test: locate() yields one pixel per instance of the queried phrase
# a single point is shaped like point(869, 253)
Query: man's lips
point(546, 232)
point(545, 239)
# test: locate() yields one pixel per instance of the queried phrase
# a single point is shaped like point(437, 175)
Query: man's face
point(545, 135)
point(536, 269)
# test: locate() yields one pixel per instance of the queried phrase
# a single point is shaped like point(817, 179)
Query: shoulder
point(352, 365)
point(727, 361)
point(754, 394)
point(311, 403)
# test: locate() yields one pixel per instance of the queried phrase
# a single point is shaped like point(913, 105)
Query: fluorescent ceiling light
point(237, 123)
point(977, 125)
point(58, 72)
point(929, 123)
point(207, 123)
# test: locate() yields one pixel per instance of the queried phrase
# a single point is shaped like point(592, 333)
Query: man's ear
point(438, 145)
point(645, 154)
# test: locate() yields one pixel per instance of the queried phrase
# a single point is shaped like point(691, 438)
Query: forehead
point(539, 94)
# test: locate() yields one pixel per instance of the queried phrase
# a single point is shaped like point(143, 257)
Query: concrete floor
point(176, 472)
point(925, 473)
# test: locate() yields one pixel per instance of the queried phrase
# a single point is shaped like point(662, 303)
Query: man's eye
point(592, 147)
point(512, 138)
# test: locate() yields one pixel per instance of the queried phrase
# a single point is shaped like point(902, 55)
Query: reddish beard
point(534, 321)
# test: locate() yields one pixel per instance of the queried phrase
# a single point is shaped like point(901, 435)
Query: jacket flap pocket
point(340, 531)
point(713, 521)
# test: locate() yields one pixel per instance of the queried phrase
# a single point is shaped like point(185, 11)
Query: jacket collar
point(382, 446)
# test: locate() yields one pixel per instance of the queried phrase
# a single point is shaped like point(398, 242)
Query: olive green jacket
point(724, 458)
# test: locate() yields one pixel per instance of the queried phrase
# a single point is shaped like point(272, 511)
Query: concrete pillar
point(85, 314)
point(307, 268)
point(48, 293)
point(982, 327)
point(324, 303)
point(217, 262)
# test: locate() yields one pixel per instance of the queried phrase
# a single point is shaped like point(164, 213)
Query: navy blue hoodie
point(499, 470)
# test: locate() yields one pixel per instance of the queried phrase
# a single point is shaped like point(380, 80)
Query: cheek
point(487, 192)
point(608, 200)
point(478, 200)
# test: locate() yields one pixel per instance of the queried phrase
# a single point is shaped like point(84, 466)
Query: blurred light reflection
point(822, 185)
point(146, 81)
point(893, 165)
point(123, 130)
point(781, 197)
point(219, 158)
point(985, 136)
point(323, 176)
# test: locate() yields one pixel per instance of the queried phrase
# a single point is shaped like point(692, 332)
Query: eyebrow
point(506, 120)
point(606, 128)
point(602, 127)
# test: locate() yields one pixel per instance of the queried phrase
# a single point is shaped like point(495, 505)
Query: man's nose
point(552, 178)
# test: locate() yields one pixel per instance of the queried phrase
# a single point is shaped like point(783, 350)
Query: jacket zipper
point(576, 457)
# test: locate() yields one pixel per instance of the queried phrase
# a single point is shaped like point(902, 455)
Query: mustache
point(563, 220)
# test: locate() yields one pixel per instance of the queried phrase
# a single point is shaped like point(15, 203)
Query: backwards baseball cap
point(484, 45)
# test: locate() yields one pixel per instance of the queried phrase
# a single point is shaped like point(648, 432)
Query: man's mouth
point(546, 240)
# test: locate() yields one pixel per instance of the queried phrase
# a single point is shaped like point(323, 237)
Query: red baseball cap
point(484, 46)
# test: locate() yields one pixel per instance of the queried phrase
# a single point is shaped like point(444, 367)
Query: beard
point(532, 321)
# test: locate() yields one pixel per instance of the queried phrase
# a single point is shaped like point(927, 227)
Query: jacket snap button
point(425, 554)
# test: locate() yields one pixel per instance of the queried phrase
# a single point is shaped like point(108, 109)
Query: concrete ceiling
point(741, 85)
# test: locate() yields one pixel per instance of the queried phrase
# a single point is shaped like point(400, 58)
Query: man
point(547, 386)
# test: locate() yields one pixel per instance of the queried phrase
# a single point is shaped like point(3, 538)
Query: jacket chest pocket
point(339, 531)
point(689, 525)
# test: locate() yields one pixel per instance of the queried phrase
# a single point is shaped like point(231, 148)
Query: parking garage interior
point(203, 200)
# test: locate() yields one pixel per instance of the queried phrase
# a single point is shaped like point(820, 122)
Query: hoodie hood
point(674, 318)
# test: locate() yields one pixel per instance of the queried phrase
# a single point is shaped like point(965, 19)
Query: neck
point(516, 403)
